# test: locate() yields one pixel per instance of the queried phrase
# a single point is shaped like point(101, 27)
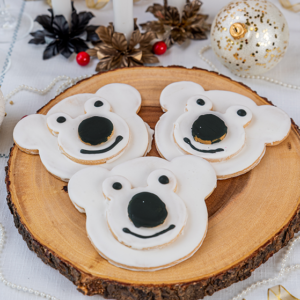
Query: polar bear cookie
point(148, 213)
point(225, 128)
point(87, 129)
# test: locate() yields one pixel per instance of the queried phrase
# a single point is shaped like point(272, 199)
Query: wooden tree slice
point(250, 217)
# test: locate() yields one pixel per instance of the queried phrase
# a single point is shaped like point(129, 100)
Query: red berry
point(82, 58)
point(159, 48)
point(24, 117)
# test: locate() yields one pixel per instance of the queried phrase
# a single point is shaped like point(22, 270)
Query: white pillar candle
point(62, 7)
point(177, 3)
point(123, 17)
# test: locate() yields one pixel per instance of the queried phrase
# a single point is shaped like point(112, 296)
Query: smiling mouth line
point(119, 138)
point(126, 230)
point(187, 140)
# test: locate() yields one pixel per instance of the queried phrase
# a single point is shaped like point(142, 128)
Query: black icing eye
point(98, 103)
point(117, 186)
point(241, 113)
point(200, 102)
point(61, 119)
point(163, 179)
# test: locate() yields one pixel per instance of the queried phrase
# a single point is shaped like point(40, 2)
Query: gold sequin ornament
point(250, 37)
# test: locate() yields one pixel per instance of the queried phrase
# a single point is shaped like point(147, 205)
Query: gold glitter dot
point(11, 102)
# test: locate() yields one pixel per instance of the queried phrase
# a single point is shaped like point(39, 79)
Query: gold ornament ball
point(250, 37)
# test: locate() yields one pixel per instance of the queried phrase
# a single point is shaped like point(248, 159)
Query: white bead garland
point(283, 271)
point(202, 50)
point(69, 82)
point(271, 80)
point(14, 286)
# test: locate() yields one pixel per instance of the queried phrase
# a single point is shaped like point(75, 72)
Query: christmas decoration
point(250, 37)
point(173, 29)
point(159, 48)
point(60, 37)
point(288, 5)
point(114, 51)
point(82, 58)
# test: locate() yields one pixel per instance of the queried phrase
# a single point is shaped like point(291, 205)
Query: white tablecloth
point(22, 266)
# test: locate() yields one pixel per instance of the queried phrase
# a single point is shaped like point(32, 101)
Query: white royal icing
point(191, 180)
point(117, 215)
point(121, 104)
point(69, 141)
point(244, 147)
point(231, 144)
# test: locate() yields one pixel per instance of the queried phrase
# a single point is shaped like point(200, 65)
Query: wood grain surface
point(250, 217)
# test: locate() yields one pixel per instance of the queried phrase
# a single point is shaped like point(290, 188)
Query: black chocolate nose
point(95, 130)
point(146, 210)
point(209, 129)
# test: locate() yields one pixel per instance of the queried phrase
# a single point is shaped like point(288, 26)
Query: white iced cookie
point(93, 138)
point(144, 218)
point(225, 128)
point(211, 135)
point(148, 213)
point(87, 129)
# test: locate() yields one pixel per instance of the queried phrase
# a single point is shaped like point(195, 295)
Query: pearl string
point(14, 286)
point(271, 80)
point(283, 271)
point(69, 82)
point(200, 53)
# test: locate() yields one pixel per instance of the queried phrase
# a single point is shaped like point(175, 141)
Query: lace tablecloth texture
point(22, 266)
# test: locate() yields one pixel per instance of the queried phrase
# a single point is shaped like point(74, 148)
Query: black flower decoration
point(62, 39)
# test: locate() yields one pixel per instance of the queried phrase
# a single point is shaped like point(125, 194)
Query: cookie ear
point(240, 114)
point(115, 186)
point(199, 103)
point(124, 99)
point(162, 179)
point(96, 105)
point(85, 188)
point(174, 96)
point(57, 122)
point(272, 124)
point(28, 133)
